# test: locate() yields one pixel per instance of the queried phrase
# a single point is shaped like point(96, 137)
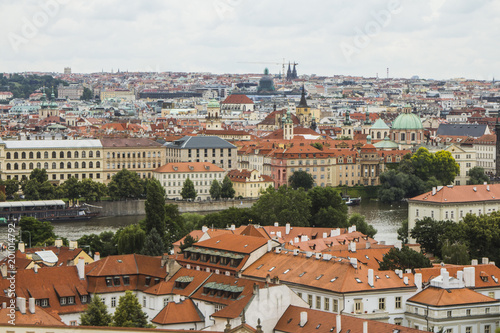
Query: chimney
point(488, 188)
point(255, 289)
point(296, 252)
point(269, 245)
point(368, 245)
point(460, 276)
point(339, 323)
point(31, 305)
point(354, 262)
point(353, 246)
point(474, 262)
point(233, 227)
point(204, 229)
point(80, 266)
point(370, 277)
point(35, 268)
point(278, 234)
point(97, 256)
point(365, 327)
point(433, 191)
point(417, 279)
point(318, 255)
point(303, 318)
point(276, 224)
point(3, 270)
point(287, 228)
point(21, 304)
point(470, 277)
point(58, 243)
point(21, 247)
point(325, 235)
point(296, 240)
point(304, 238)
point(446, 279)
point(73, 245)
point(353, 228)
point(4, 305)
point(484, 261)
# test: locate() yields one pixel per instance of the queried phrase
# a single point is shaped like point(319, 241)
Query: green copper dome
point(386, 144)
point(407, 121)
point(213, 104)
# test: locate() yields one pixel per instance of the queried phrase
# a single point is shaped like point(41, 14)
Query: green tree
point(445, 169)
point(328, 210)
point(91, 190)
point(455, 253)
point(192, 221)
point(40, 175)
point(226, 217)
point(153, 244)
point(175, 229)
point(39, 231)
point(227, 190)
point(188, 242)
point(188, 191)
point(403, 232)
point(284, 205)
point(423, 163)
point(155, 207)
point(317, 145)
point(129, 312)
point(38, 187)
point(405, 258)
point(11, 186)
point(72, 189)
point(393, 186)
point(477, 176)
point(361, 225)
point(215, 190)
point(96, 313)
point(481, 234)
point(431, 234)
point(301, 179)
point(87, 94)
point(126, 185)
point(130, 239)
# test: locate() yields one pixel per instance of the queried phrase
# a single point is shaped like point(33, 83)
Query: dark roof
point(473, 130)
point(197, 142)
point(129, 142)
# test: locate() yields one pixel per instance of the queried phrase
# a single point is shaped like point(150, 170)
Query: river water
point(385, 218)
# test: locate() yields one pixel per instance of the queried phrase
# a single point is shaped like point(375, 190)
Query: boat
point(353, 201)
point(45, 210)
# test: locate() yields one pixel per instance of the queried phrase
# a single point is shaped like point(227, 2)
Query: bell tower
point(214, 121)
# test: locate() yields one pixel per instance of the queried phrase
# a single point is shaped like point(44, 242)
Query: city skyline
point(432, 39)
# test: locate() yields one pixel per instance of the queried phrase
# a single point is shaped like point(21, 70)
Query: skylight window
point(387, 276)
point(288, 270)
point(271, 269)
point(333, 280)
point(260, 266)
point(319, 276)
point(302, 274)
point(358, 280)
point(377, 277)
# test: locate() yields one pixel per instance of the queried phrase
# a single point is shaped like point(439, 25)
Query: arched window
point(68, 154)
point(97, 153)
point(83, 165)
point(83, 154)
point(61, 165)
point(91, 165)
point(16, 156)
point(108, 154)
point(16, 167)
point(97, 164)
point(69, 165)
point(54, 154)
point(31, 166)
point(91, 153)
point(23, 155)
point(8, 156)
point(412, 136)
point(31, 155)
point(8, 166)
point(76, 165)
point(378, 135)
point(46, 154)
point(54, 165)
point(113, 155)
point(39, 165)
point(61, 154)
point(143, 154)
point(76, 154)
point(403, 137)
point(133, 155)
point(38, 155)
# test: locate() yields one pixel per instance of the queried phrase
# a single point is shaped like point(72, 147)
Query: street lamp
point(22, 232)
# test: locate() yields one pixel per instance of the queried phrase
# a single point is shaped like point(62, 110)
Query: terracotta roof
point(326, 322)
point(243, 176)
point(448, 297)
point(233, 243)
point(463, 193)
point(129, 143)
point(168, 287)
point(177, 313)
point(488, 270)
point(237, 99)
point(126, 264)
point(41, 317)
point(188, 167)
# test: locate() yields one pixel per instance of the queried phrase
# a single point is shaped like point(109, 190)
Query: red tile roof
point(464, 193)
point(237, 99)
point(177, 313)
point(189, 167)
point(448, 297)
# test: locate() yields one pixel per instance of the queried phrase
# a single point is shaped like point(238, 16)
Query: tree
point(393, 185)
point(87, 94)
point(226, 217)
point(328, 210)
point(40, 175)
point(72, 189)
point(130, 239)
point(38, 231)
point(188, 191)
point(301, 179)
point(153, 244)
point(96, 314)
point(11, 186)
point(359, 221)
point(317, 145)
point(403, 232)
point(175, 228)
point(38, 187)
point(432, 234)
point(445, 169)
point(405, 258)
point(91, 190)
point(477, 176)
point(227, 190)
point(455, 253)
point(188, 242)
point(215, 190)
point(129, 312)
point(155, 207)
point(423, 162)
point(284, 205)
point(126, 185)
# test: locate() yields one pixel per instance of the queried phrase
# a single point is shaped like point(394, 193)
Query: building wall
point(174, 182)
point(141, 159)
point(225, 158)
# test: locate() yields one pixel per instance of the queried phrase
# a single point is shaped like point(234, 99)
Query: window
point(126, 280)
point(310, 300)
point(467, 312)
point(358, 306)
point(335, 305)
point(73, 322)
point(468, 329)
point(448, 313)
point(62, 300)
point(449, 330)
point(31, 155)
point(71, 300)
point(16, 156)
point(318, 302)
point(148, 281)
point(487, 329)
point(487, 310)
point(327, 304)
point(491, 294)
point(76, 154)
point(113, 301)
point(116, 280)
point(144, 301)
point(381, 303)
point(398, 302)
point(91, 154)
point(109, 281)
point(61, 154)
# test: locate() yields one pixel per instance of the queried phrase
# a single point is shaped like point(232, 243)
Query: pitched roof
point(326, 322)
point(129, 143)
point(233, 243)
point(474, 130)
point(177, 313)
point(199, 142)
point(237, 99)
point(41, 317)
point(448, 297)
point(487, 270)
point(195, 278)
point(188, 167)
point(463, 193)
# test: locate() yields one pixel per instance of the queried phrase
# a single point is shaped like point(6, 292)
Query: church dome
point(407, 121)
point(213, 104)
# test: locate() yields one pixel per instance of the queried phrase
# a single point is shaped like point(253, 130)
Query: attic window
point(484, 278)
point(288, 270)
point(126, 280)
point(271, 269)
point(317, 327)
point(357, 280)
point(367, 257)
point(377, 277)
point(109, 281)
point(302, 274)
point(333, 280)
point(260, 266)
point(319, 276)
point(387, 276)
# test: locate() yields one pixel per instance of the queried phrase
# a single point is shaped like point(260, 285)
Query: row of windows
point(130, 165)
point(61, 176)
point(133, 155)
point(314, 162)
point(62, 154)
point(192, 175)
point(62, 165)
point(451, 214)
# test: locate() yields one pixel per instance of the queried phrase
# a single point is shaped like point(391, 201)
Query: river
point(385, 218)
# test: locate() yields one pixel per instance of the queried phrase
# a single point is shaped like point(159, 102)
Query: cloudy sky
point(431, 38)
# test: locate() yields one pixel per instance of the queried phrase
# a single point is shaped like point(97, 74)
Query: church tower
point(287, 126)
point(214, 121)
point(303, 111)
point(347, 128)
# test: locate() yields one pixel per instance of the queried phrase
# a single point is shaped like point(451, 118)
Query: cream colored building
point(249, 184)
point(125, 94)
point(486, 151)
point(173, 175)
point(466, 159)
